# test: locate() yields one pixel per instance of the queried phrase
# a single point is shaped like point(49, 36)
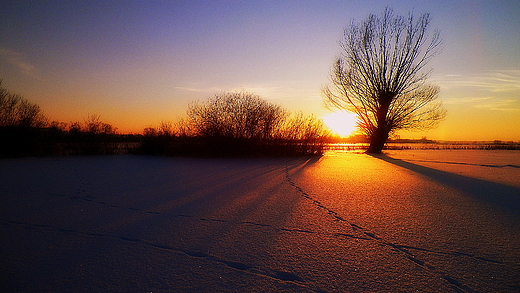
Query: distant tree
point(184, 128)
point(58, 126)
point(380, 76)
point(180, 128)
point(19, 112)
point(75, 128)
point(166, 129)
point(21, 125)
point(239, 115)
point(303, 128)
point(307, 134)
point(150, 132)
point(94, 125)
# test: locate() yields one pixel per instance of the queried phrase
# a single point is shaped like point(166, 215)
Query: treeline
point(57, 138)
point(237, 124)
point(229, 124)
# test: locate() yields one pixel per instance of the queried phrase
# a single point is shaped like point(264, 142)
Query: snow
point(429, 221)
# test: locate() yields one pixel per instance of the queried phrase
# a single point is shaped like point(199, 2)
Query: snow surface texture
point(428, 221)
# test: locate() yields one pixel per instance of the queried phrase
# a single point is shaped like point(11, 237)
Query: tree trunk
point(377, 141)
point(380, 135)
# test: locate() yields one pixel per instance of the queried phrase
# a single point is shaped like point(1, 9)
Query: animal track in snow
point(279, 275)
point(404, 250)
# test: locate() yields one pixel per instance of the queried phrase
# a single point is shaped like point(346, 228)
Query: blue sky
point(137, 63)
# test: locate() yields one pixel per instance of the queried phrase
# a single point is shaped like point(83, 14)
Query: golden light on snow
point(341, 123)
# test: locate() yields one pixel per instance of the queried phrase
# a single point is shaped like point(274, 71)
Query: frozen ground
point(428, 221)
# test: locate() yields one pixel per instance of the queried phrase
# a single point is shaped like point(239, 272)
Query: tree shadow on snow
point(504, 197)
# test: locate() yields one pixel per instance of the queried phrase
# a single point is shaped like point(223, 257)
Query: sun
point(341, 123)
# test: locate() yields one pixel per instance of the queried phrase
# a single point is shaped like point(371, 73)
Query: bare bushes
point(15, 111)
point(239, 115)
point(237, 124)
point(19, 121)
point(91, 137)
point(170, 139)
point(304, 134)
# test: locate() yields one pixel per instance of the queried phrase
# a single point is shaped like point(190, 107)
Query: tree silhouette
point(94, 125)
point(243, 124)
point(15, 111)
point(239, 115)
point(380, 76)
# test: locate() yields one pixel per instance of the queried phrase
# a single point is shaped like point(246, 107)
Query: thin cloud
point(17, 60)
point(496, 90)
point(465, 100)
point(488, 102)
point(263, 91)
point(500, 105)
point(270, 92)
point(211, 90)
point(491, 81)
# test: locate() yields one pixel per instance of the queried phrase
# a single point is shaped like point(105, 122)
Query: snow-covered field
point(428, 221)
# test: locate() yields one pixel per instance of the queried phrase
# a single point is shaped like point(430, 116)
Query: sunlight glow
point(341, 123)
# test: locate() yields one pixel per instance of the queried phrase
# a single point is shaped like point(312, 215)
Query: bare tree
point(304, 128)
point(184, 128)
point(166, 129)
point(307, 134)
point(30, 115)
point(94, 125)
point(17, 111)
point(239, 115)
point(75, 128)
point(381, 76)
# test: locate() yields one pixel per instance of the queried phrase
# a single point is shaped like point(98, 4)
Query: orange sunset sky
point(137, 63)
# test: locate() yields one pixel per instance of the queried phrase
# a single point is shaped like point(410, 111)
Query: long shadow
point(504, 197)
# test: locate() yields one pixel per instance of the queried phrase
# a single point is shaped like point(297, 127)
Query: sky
point(137, 63)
